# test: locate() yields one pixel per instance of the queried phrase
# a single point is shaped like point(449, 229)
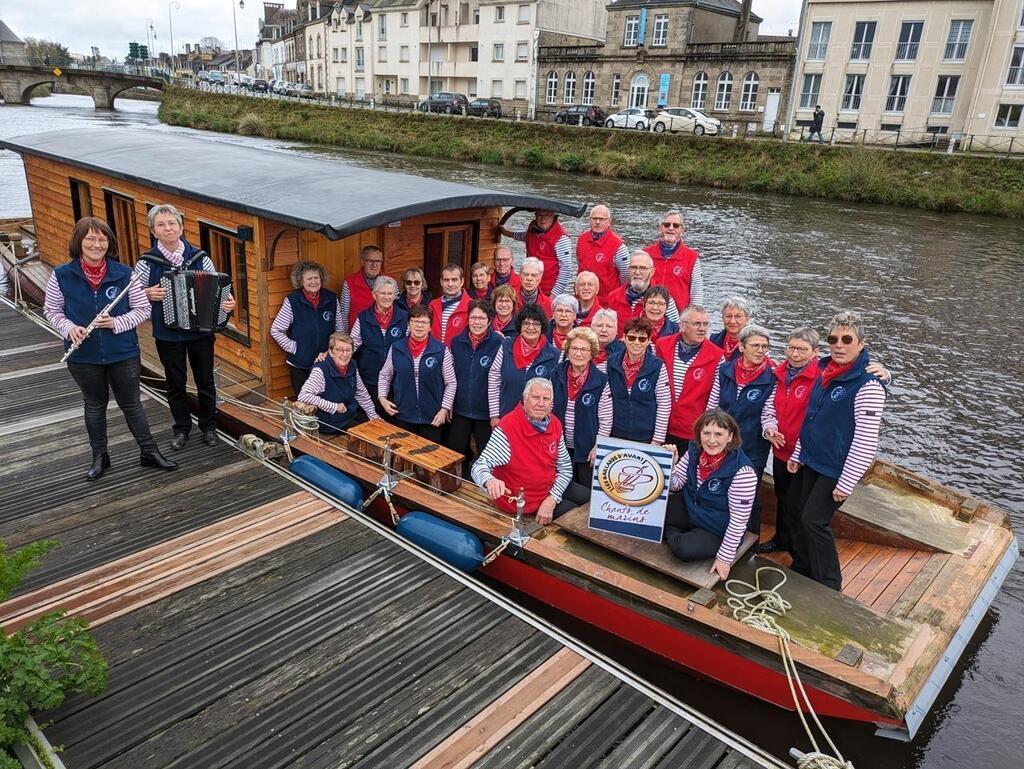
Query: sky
point(112, 24)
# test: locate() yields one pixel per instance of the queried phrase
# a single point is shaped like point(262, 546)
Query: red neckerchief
point(416, 348)
point(476, 293)
point(343, 370)
point(657, 327)
point(474, 339)
point(630, 370)
point(576, 381)
point(745, 375)
point(523, 353)
point(730, 343)
point(707, 464)
point(313, 299)
point(601, 357)
point(94, 275)
point(384, 318)
point(558, 338)
point(500, 327)
point(832, 370)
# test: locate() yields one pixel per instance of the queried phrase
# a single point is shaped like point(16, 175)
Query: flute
point(104, 311)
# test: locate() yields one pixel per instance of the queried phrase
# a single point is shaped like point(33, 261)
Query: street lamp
point(150, 38)
point(234, 21)
point(170, 26)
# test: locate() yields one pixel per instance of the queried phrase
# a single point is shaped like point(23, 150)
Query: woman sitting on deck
point(583, 402)
point(472, 351)
point(307, 318)
point(524, 356)
point(505, 301)
point(639, 385)
point(717, 484)
point(377, 328)
point(414, 290)
point(423, 374)
point(335, 387)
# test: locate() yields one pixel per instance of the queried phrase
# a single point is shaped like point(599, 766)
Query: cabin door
point(450, 244)
point(121, 218)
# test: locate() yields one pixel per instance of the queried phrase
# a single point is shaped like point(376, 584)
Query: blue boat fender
point(461, 548)
point(329, 479)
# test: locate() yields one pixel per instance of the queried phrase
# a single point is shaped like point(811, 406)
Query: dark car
point(260, 85)
point(484, 108)
point(591, 115)
point(446, 102)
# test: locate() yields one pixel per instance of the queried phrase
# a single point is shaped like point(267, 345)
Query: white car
point(688, 120)
point(634, 117)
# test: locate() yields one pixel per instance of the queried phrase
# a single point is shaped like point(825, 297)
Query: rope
point(759, 607)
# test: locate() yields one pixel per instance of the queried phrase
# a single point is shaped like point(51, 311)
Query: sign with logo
point(630, 488)
point(663, 84)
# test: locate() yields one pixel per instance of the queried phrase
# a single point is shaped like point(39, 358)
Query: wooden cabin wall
point(403, 244)
point(49, 184)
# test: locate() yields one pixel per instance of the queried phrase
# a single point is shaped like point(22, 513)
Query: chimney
point(740, 35)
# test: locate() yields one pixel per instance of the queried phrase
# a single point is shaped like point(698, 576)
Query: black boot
point(99, 464)
point(155, 459)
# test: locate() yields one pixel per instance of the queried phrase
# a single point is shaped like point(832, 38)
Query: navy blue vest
point(374, 348)
point(311, 327)
point(670, 328)
point(339, 389)
point(82, 304)
point(718, 339)
point(635, 409)
point(746, 409)
point(402, 301)
point(584, 430)
point(157, 267)
point(827, 431)
point(419, 410)
point(708, 505)
point(471, 369)
point(513, 380)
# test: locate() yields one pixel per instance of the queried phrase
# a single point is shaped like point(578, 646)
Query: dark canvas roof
point(316, 194)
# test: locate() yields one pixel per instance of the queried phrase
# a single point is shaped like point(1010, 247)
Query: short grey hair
point(532, 261)
point(644, 254)
point(737, 303)
point(587, 274)
point(163, 209)
point(538, 381)
point(568, 300)
point(383, 281)
point(806, 334)
point(752, 329)
point(848, 319)
point(604, 312)
point(692, 308)
point(667, 214)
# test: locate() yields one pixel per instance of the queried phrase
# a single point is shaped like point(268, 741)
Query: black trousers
point(96, 382)
point(298, 377)
point(754, 523)
point(198, 354)
point(576, 494)
point(582, 470)
point(687, 542)
point(431, 433)
point(460, 431)
point(786, 513)
point(814, 544)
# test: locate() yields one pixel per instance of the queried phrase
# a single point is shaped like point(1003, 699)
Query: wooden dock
point(249, 623)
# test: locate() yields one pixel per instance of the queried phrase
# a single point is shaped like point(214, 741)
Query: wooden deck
point(247, 623)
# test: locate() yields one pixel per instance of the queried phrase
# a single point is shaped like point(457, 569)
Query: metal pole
point(234, 22)
point(170, 26)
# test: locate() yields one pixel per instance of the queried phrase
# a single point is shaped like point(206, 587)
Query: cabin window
point(120, 210)
point(81, 203)
point(449, 244)
point(227, 251)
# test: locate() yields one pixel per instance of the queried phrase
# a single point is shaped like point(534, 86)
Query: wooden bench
point(434, 465)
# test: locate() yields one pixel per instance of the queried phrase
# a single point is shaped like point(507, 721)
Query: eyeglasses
point(696, 323)
point(95, 241)
point(530, 324)
point(636, 338)
point(845, 339)
point(638, 268)
point(374, 261)
point(414, 282)
point(757, 345)
point(671, 225)
point(656, 303)
point(580, 350)
point(599, 218)
point(794, 348)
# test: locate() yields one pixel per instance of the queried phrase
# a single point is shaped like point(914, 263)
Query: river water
point(943, 301)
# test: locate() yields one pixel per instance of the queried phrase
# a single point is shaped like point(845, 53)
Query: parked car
point(291, 89)
point(484, 108)
point(216, 78)
point(590, 114)
point(245, 81)
point(688, 120)
point(305, 91)
point(446, 102)
point(260, 85)
point(634, 117)
point(280, 86)
point(203, 76)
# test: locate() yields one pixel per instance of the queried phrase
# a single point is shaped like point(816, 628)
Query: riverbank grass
point(934, 182)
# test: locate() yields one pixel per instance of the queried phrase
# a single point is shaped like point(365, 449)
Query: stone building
point(705, 54)
point(12, 47)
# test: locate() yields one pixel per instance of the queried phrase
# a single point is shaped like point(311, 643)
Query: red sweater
point(542, 246)
point(456, 321)
point(700, 376)
point(543, 301)
point(675, 272)
point(360, 296)
point(791, 403)
point(617, 301)
point(598, 257)
point(534, 463)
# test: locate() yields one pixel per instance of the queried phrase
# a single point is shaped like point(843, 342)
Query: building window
point(360, 88)
point(632, 31)
point(342, 90)
point(1008, 116)
point(120, 210)
point(899, 88)
point(570, 87)
point(524, 14)
point(723, 96)
point(403, 53)
point(499, 13)
point(552, 91)
point(359, 31)
point(638, 91)
point(853, 92)
point(382, 54)
point(497, 89)
point(959, 37)
point(811, 91)
point(748, 99)
point(660, 31)
point(945, 94)
point(522, 51)
point(588, 88)
point(334, 55)
point(821, 31)
point(344, 55)
point(616, 89)
point(910, 39)
point(499, 52)
point(699, 97)
point(1016, 74)
point(474, 53)
point(227, 252)
point(81, 202)
point(404, 86)
point(360, 60)
point(403, 20)
point(863, 37)
point(520, 89)
point(382, 26)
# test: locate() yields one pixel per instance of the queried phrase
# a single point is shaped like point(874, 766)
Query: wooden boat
point(921, 562)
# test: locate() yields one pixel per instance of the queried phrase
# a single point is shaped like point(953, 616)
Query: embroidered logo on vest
point(111, 292)
point(430, 362)
point(677, 270)
point(838, 394)
point(753, 394)
point(328, 315)
point(599, 256)
point(485, 361)
point(698, 374)
point(539, 371)
point(643, 385)
point(715, 486)
point(800, 392)
point(587, 399)
point(553, 448)
point(396, 332)
point(456, 321)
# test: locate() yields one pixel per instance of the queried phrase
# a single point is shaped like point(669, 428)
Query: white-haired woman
point(563, 319)
point(605, 325)
point(736, 312)
point(583, 401)
point(377, 328)
point(306, 320)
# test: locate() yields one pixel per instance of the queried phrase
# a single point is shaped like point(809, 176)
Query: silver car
point(634, 117)
point(688, 120)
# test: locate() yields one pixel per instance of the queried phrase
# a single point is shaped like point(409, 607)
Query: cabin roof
point(318, 194)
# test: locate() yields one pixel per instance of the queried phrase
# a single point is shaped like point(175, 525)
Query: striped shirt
point(345, 302)
point(696, 284)
point(387, 374)
point(565, 252)
point(604, 418)
point(283, 321)
point(663, 396)
point(316, 384)
point(741, 498)
point(177, 258)
point(497, 452)
point(494, 383)
point(867, 421)
point(53, 308)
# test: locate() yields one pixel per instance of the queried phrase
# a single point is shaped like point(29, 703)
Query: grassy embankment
point(934, 182)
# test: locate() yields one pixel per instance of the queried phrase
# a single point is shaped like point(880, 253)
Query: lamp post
point(170, 26)
point(234, 21)
point(150, 38)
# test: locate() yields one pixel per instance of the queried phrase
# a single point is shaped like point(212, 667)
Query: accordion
point(192, 302)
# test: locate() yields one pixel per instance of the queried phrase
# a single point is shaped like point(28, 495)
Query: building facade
point(891, 68)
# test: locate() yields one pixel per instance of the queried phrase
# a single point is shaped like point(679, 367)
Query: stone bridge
point(102, 84)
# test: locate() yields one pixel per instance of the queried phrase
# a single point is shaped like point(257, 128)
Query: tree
point(211, 42)
point(41, 51)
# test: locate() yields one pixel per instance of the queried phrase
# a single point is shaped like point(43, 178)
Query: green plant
point(44, 660)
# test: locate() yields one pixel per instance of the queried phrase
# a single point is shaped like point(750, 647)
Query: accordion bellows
point(193, 297)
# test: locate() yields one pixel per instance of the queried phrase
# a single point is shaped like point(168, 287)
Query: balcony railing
point(1015, 76)
point(569, 51)
point(943, 105)
point(906, 51)
point(755, 48)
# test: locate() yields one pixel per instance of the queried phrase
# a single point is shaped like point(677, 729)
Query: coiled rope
point(760, 607)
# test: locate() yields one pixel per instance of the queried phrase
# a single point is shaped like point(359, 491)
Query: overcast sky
point(112, 24)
